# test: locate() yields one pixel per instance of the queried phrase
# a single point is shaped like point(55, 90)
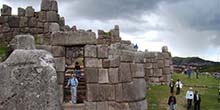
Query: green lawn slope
point(157, 95)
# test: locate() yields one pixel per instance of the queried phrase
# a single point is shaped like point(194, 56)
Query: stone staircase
point(81, 89)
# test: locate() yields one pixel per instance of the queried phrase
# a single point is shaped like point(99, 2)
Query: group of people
point(188, 71)
point(190, 96)
point(73, 83)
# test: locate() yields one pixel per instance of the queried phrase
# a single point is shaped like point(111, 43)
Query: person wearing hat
point(189, 98)
point(171, 85)
point(197, 100)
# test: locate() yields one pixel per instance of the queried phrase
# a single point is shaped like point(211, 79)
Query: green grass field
point(207, 86)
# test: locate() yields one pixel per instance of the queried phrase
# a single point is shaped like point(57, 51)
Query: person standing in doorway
point(172, 102)
point(77, 70)
point(197, 100)
point(73, 83)
point(178, 86)
point(189, 98)
point(171, 85)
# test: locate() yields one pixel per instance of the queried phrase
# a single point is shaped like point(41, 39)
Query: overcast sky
point(188, 27)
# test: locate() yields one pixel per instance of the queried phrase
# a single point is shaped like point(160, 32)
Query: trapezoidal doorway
point(74, 58)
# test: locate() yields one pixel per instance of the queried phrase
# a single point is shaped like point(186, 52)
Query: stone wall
point(158, 66)
point(39, 24)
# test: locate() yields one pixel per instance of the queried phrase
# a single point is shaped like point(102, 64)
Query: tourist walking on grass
point(197, 100)
point(178, 86)
point(171, 85)
point(189, 98)
point(73, 83)
point(172, 102)
point(189, 71)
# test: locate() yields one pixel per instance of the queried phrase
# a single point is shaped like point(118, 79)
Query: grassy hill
point(207, 87)
point(205, 65)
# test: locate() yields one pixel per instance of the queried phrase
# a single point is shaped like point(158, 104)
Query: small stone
point(53, 6)
point(164, 49)
point(58, 51)
point(91, 75)
point(43, 16)
point(6, 10)
point(29, 11)
point(90, 51)
point(124, 72)
point(21, 11)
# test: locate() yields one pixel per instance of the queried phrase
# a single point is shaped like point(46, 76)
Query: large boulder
point(28, 81)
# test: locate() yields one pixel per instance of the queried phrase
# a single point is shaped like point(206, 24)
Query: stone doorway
point(75, 54)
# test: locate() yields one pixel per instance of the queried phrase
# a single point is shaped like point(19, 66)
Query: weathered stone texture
point(52, 16)
point(113, 75)
point(58, 51)
point(24, 42)
point(137, 70)
point(73, 38)
point(90, 51)
point(124, 72)
point(93, 62)
point(21, 12)
point(102, 51)
point(60, 63)
point(103, 76)
point(29, 11)
point(6, 10)
point(91, 75)
point(29, 81)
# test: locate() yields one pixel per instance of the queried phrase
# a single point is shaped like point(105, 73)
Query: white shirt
point(189, 94)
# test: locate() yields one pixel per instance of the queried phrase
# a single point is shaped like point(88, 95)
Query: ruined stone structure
point(116, 73)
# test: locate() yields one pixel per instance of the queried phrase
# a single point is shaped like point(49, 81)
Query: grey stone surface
point(91, 105)
point(127, 56)
point(21, 11)
point(60, 78)
point(28, 81)
point(13, 21)
point(90, 51)
point(93, 62)
point(44, 47)
point(58, 51)
point(137, 70)
point(43, 16)
point(54, 27)
point(23, 21)
point(102, 106)
point(6, 10)
point(139, 57)
point(102, 51)
point(61, 94)
point(113, 75)
point(32, 22)
point(92, 92)
point(24, 42)
point(29, 11)
point(140, 105)
point(118, 91)
point(103, 76)
point(91, 75)
point(59, 63)
point(134, 91)
point(124, 72)
point(45, 5)
point(52, 16)
point(118, 106)
point(53, 6)
point(164, 49)
point(73, 38)
point(114, 62)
